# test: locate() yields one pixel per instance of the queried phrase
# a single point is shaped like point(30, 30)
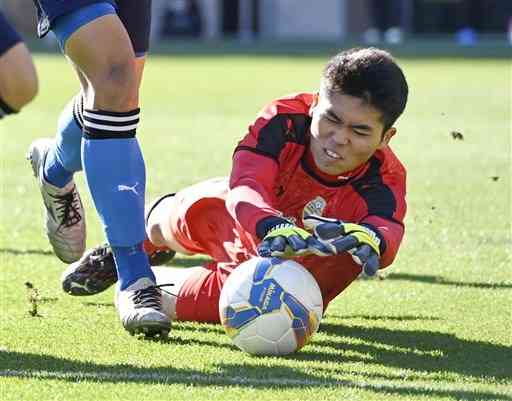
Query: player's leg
point(18, 78)
point(96, 271)
point(54, 161)
point(188, 294)
point(162, 226)
point(195, 220)
point(99, 46)
point(114, 165)
point(58, 159)
point(192, 294)
point(64, 157)
point(187, 222)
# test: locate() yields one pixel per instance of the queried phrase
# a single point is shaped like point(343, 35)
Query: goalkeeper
point(314, 179)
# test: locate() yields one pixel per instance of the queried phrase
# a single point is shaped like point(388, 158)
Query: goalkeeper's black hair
point(372, 75)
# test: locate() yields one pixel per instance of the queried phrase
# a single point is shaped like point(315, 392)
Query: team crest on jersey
point(315, 206)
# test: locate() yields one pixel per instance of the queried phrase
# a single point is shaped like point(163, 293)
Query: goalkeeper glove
point(360, 241)
point(286, 240)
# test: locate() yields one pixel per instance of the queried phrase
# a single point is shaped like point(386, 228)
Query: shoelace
point(150, 297)
point(67, 209)
point(160, 286)
point(147, 298)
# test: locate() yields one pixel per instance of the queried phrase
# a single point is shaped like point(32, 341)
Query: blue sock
point(116, 177)
point(65, 158)
point(125, 258)
point(54, 172)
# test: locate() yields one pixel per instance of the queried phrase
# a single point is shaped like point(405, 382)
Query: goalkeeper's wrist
point(382, 244)
point(266, 224)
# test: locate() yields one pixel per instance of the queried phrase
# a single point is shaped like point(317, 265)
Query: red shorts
point(201, 224)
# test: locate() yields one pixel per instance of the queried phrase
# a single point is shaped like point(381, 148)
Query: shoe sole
point(151, 331)
point(78, 284)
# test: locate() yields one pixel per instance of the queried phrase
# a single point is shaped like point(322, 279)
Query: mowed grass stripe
point(458, 391)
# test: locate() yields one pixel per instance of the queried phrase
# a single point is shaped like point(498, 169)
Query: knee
point(120, 74)
point(154, 233)
point(159, 227)
point(116, 88)
point(103, 54)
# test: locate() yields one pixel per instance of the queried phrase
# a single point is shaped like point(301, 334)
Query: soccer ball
point(270, 306)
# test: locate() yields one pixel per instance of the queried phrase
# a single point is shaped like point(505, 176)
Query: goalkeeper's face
point(346, 131)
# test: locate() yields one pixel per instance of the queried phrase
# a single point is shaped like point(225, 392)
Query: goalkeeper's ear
point(314, 103)
point(386, 137)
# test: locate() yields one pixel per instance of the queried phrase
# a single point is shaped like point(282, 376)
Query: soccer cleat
point(158, 255)
point(140, 309)
point(96, 270)
point(65, 223)
point(92, 274)
point(161, 256)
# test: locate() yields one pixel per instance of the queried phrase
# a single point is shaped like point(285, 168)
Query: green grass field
point(438, 327)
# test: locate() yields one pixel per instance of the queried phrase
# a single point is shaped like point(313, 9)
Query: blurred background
point(393, 22)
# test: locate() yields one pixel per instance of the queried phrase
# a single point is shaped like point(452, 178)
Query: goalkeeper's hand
point(360, 241)
point(286, 240)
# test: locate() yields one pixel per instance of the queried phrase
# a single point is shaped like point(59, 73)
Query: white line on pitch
point(168, 378)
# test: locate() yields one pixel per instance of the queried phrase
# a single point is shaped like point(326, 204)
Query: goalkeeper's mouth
point(332, 154)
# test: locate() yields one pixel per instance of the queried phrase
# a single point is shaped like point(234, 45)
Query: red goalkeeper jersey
point(274, 174)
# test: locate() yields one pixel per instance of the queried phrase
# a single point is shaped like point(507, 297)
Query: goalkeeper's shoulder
point(390, 164)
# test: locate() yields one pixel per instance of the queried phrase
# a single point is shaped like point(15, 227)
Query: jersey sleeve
point(257, 160)
point(385, 206)
point(250, 198)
